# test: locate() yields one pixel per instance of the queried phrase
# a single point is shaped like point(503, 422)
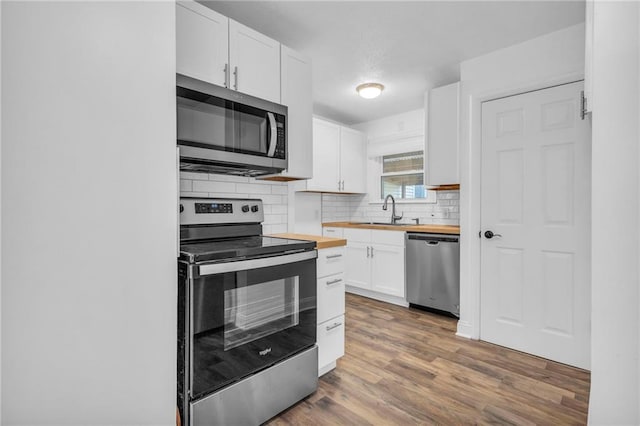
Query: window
point(402, 176)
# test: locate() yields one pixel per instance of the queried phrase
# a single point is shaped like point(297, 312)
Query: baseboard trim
point(465, 329)
point(377, 296)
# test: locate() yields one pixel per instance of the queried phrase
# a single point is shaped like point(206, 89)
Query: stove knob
point(254, 208)
point(245, 208)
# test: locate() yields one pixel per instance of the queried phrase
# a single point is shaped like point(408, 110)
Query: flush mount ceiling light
point(370, 90)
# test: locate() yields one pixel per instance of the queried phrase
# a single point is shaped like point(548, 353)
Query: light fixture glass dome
point(370, 90)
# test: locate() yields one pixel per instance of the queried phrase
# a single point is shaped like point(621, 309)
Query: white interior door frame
point(470, 191)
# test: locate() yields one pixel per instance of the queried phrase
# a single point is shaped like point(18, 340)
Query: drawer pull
point(336, 325)
point(333, 256)
point(329, 230)
point(336, 281)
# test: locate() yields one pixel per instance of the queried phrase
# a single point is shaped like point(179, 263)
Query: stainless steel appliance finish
point(246, 314)
point(224, 131)
point(433, 271)
point(254, 400)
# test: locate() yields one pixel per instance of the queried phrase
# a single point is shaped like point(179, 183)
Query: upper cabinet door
point(255, 62)
point(202, 42)
point(296, 95)
point(326, 157)
point(441, 157)
point(353, 149)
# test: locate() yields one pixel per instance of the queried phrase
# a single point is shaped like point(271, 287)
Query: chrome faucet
point(394, 218)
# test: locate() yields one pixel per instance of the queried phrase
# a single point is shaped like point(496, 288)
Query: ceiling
point(409, 46)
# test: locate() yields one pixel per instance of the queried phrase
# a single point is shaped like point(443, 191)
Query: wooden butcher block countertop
point(427, 229)
point(321, 242)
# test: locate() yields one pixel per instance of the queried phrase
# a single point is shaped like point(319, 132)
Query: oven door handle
point(264, 262)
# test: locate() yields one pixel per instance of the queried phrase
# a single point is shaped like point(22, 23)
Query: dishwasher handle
point(432, 239)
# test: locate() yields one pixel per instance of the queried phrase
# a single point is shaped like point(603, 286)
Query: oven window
point(256, 311)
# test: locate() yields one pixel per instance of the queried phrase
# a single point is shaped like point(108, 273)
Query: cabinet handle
point(330, 230)
point(336, 281)
point(343, 185)
point(335, 325)
point(235, 78)
point(333, 256)
point(368, 248)
point(371, 252)
point(226, 75)
point(338, 185)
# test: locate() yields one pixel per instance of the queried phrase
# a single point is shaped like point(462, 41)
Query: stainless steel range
point(246, 315)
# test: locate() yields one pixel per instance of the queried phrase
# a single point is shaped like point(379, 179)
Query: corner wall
point(615, 336)
point(89, 211)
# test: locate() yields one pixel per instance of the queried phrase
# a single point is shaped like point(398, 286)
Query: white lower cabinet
point(330, 314)
point(375, 261)
point(330, 344)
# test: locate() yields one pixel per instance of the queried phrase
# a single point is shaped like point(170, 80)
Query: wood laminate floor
point(405, 366)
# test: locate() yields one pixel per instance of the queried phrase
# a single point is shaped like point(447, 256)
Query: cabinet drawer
point(332, 232)
point(330, 341)
point(393, 238)
point(330, 297)
point(330, 261)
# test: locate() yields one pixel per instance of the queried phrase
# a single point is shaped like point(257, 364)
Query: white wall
point(615, 393)
point(89, 211)
point(273, 194)
point(554, 58)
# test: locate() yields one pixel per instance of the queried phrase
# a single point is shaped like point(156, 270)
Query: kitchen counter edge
point(321, 242)
point(427, 229)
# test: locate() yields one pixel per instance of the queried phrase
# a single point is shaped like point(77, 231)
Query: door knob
point(489, 235)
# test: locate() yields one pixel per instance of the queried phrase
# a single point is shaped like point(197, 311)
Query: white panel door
point(353, 150)
point(202, 42)
point(326, 157)
point(535, 282)
point(255, 62)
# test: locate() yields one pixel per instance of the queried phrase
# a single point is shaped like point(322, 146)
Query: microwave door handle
point(273, 141)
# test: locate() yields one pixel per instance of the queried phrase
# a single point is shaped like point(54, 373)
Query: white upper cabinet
point(221, 51)
point(254, 62)
point(339, 155)
point(442, 118)
point(353, 152)
point(202, 48)
point(326, 157)
point(295, 90)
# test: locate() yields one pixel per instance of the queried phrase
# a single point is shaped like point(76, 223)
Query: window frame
point(375, 169)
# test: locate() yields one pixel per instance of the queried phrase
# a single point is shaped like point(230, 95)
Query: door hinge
point(583, 105)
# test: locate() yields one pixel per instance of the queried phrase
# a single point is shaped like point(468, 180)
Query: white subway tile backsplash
point(253, 188)
point(336, 208)
point(194, 194)
point(213, 186)
point(186, 185)
point(229, 178)
point(273, 194)
point(194, 176)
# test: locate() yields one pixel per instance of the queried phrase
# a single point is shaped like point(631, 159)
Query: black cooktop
point(233, 248)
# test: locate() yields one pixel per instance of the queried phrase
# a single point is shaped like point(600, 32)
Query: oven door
point(247, 315)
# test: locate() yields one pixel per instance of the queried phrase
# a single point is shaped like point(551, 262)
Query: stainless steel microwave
point(225, 131)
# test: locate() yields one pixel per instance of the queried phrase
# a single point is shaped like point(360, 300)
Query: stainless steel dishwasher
point(433, 271)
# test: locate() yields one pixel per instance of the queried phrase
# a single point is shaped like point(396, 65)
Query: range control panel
point(214, 208)
point(200, 211)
